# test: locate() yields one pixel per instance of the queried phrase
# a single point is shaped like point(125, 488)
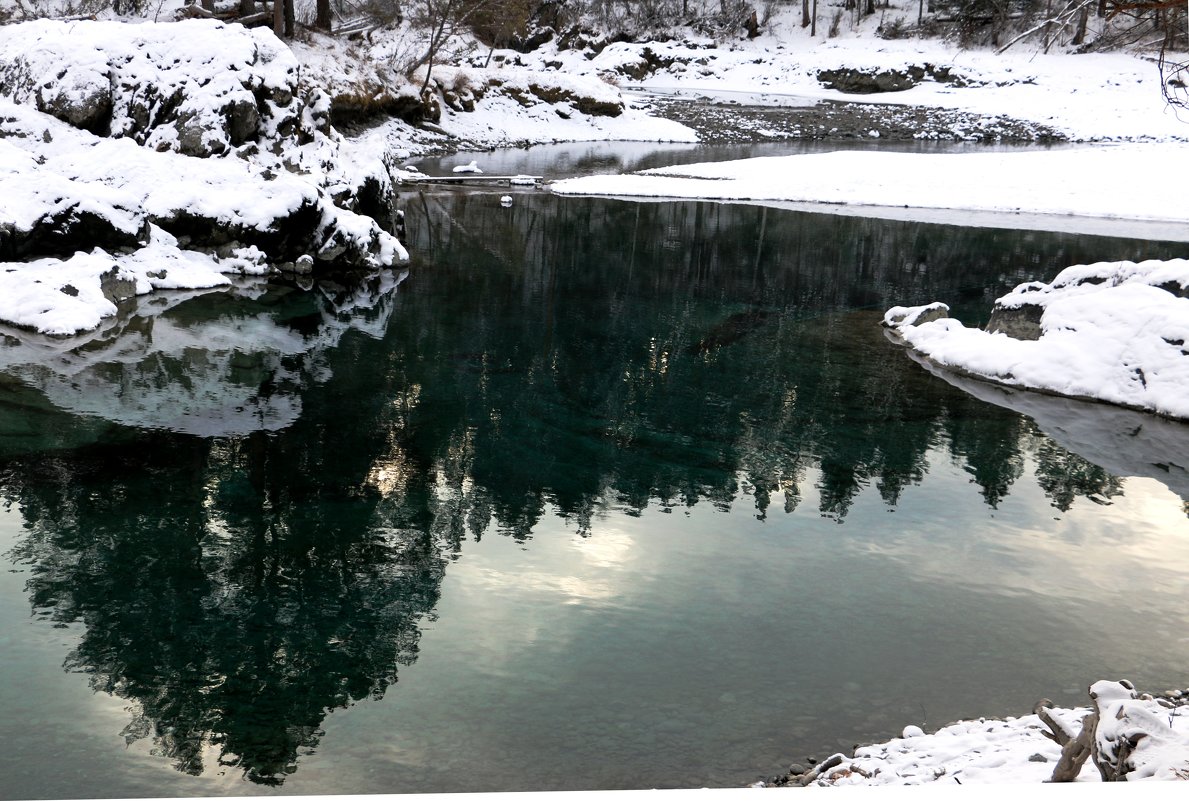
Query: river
point(598, 495)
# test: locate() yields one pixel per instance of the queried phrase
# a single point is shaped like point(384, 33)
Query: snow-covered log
point(1133, 736)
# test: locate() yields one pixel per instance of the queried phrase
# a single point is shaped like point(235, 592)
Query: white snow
point(65, 296)
point(967, 752)
point(1108, 332)
point(51, 169)
point(206, 65)
point(1086, 97)
point(1016, 750)
point(1096, 185)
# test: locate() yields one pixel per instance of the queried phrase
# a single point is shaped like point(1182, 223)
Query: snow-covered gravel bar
point(1086, 188)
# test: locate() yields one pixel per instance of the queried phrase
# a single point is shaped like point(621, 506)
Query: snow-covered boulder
point(1135, 737)
point(112, 219)
point(1110, 331)
point(197, 87)
point(207, 204)
point(43, 213)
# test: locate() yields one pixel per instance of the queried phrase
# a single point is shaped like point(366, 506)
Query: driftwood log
point(1119, 722)
point(1075, 746)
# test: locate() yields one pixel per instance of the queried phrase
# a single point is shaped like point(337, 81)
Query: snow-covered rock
point(209, 155)
point(197, 87)
point(1110, 331)
point(211, 202)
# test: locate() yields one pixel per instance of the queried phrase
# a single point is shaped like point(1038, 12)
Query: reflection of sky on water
point(853, 626)
point(621, 516)
point(797, 626)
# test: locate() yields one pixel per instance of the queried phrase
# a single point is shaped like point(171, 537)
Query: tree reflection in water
point(236, 584)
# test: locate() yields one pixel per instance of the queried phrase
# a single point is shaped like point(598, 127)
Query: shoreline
point(992, 751)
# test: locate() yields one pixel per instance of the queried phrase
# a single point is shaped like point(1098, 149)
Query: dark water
point(602, 495)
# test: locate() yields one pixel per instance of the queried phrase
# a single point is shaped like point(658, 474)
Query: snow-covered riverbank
point(149, 157)
point(233, 184)
point(1148, 736)
point(1100, 189)
point(189, 140)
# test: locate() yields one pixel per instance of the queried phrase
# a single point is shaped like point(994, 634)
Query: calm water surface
point(600, 495)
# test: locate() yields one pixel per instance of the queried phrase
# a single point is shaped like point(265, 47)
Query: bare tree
point(442, 19)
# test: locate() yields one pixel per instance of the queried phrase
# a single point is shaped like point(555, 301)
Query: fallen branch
point(1064, 17)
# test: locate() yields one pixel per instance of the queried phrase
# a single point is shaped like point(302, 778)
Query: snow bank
point(1124, 182)
point(1111, 331)
point(103, 180)
point(1139, 736)
point(1091, 97)
point(514, 105)
point(62, 297)
point(198, 87)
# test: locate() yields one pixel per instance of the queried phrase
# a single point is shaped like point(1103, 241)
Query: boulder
point(862, 81)
point(1019, 321)
point(197, 87)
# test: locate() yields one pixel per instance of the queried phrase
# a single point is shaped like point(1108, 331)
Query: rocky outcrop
point(162, 86)
point(67, 228)
point(1018, 322)
point(372, 101)
point(553, 94)
point(462, 88)
point(864, 81)
point(200, 128)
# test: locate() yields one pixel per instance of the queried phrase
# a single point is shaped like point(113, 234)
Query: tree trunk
point(1048, 39)
point(278, 18)
point(813, 28)
point(290, 20)
point(247, 7)
point(1083, 19)
point(804, 13)
point(322, 15)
